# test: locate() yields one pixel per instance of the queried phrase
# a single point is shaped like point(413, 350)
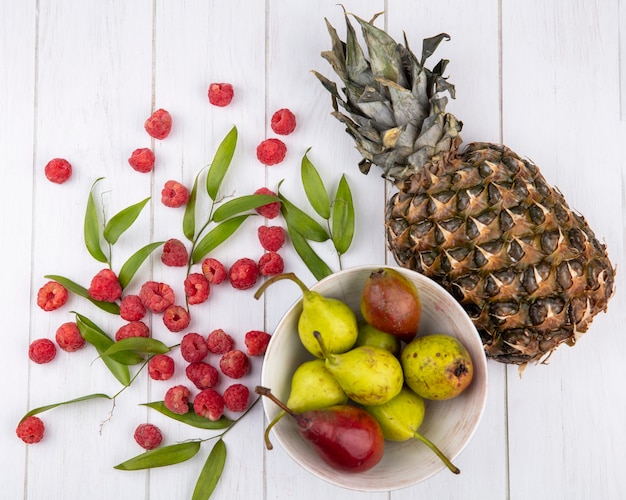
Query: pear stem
point(264, 391)
point(278, 277)
point(268, 443)
point(437, 451)
point(320, 341)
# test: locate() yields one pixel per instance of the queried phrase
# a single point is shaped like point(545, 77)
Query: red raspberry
point(271, 210)
point(159, 124)
point(132, 329)
point(236, 397)
point(142, 160)
point(177, 399)
point(51, 296)
point(272, 238)
point(58, 170)
point(209, 404)
point(202, 375)
point(131, 308)
point(243, 274)
point(68, 337)
point(148, 436)
point(174, 253)
point(197, 288)
point(213, 270)
point(256, 341)
point(283, 122)
point(235, 364)
point(219, 342)
point(271, 263)
point(193, 347)
point(105, 286)
point(161, 367)
point(156, 297)
point(176, 318)
point(271, 151)
point(174, 194)
point(30, 430)
point(42, 351)
point(220, 94)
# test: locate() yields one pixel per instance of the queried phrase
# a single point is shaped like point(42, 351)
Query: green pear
point(370, 335)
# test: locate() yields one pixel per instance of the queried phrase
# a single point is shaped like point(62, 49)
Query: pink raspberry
point(271, 210)
point(132, 329)
point(209, 404)
point(220, 94)
point(148, 436)
point(174, 194)
point(68, 337)
point(177, 399)
point(197, 288)
point(219, 342)
point(30, 430)
point(105, 286)
point(42, 351)
point(235, 364)
point(243, 274)
point(156, 297)
point(159, 124)
point(193, 347)
point(131, 308)
point(271, 151)
point(58, 170)
point(271, 263)
point(272, 238)
point(236, 397)
point(51, 296)
point(202, 375)
point(161, 367)
point(174, 253)
point(142, 160)
point(283, 122)
point(176, 318)
point(256, 341)
point(213, 270)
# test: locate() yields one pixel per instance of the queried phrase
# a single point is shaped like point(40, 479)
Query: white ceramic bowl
point(449, 424)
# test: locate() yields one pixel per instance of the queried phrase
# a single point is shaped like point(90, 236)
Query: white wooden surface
point(78, 78)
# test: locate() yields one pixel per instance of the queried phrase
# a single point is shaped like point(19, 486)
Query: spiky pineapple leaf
point(314, 187)
point(211, 472)
point(241, 204)
point(92, 229)
point(122, 220)
point(429, 46)
point(110, 307)
point(160, 457)
point(132, 265)
point(189, 218)
point(221, 162)
point(190, 418)
point(343, 217)
point(218, 235)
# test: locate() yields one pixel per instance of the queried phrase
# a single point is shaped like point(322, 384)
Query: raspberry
point(68, 337)
point(271, 151)
point(271, 263)
point(213, 270)
point(58, 170)
point(177, 399)
point(161, 367)
point(283, 122)
point(105, 286)
point(30, 430)
point(51, 296)
point(256, 341)
point(174, 194)
point(272, 238)
point(220, 94)
point(235, 364)
point(42, 351)
point(174, 253)
point(209, 404)
point(202, 375)
point(176, 318)
point(156, 297)
point(271, 210)
point(219, 342)
point(131, 308)
point(142, 160)
point(193, 347)
point(236, 397)
point(132, 329)
point(243, 274)
point(197, 288)
point(159, 124)
point(148, 436)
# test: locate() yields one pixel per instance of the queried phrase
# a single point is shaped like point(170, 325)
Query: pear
point(370, 335)
point(369, 375)
point(401, 417)
point(331, 317)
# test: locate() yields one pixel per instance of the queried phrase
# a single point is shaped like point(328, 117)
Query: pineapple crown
point(394, 107)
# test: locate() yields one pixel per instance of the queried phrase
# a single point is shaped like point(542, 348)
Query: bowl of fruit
point(374, 380)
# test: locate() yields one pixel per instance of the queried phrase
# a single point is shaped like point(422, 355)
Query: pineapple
point(481, 221)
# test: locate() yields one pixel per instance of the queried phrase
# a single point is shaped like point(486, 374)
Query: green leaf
point(211, 472)
point(189, 219)
point(110, 307)
point(314, 263)
point(91, 230)
point(217, 236)
point(221, 162)
point(160, 457)
point(314, 188)
point(190, 418)
point(301, 222)
point(122, 220)
point(41, 409)
point(242, 204)
point(343, 217)
point(118, 369)
point(137, 344)
point(128, 358)
point(132, 265)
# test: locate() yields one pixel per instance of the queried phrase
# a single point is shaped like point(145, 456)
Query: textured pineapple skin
point(487, 226)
